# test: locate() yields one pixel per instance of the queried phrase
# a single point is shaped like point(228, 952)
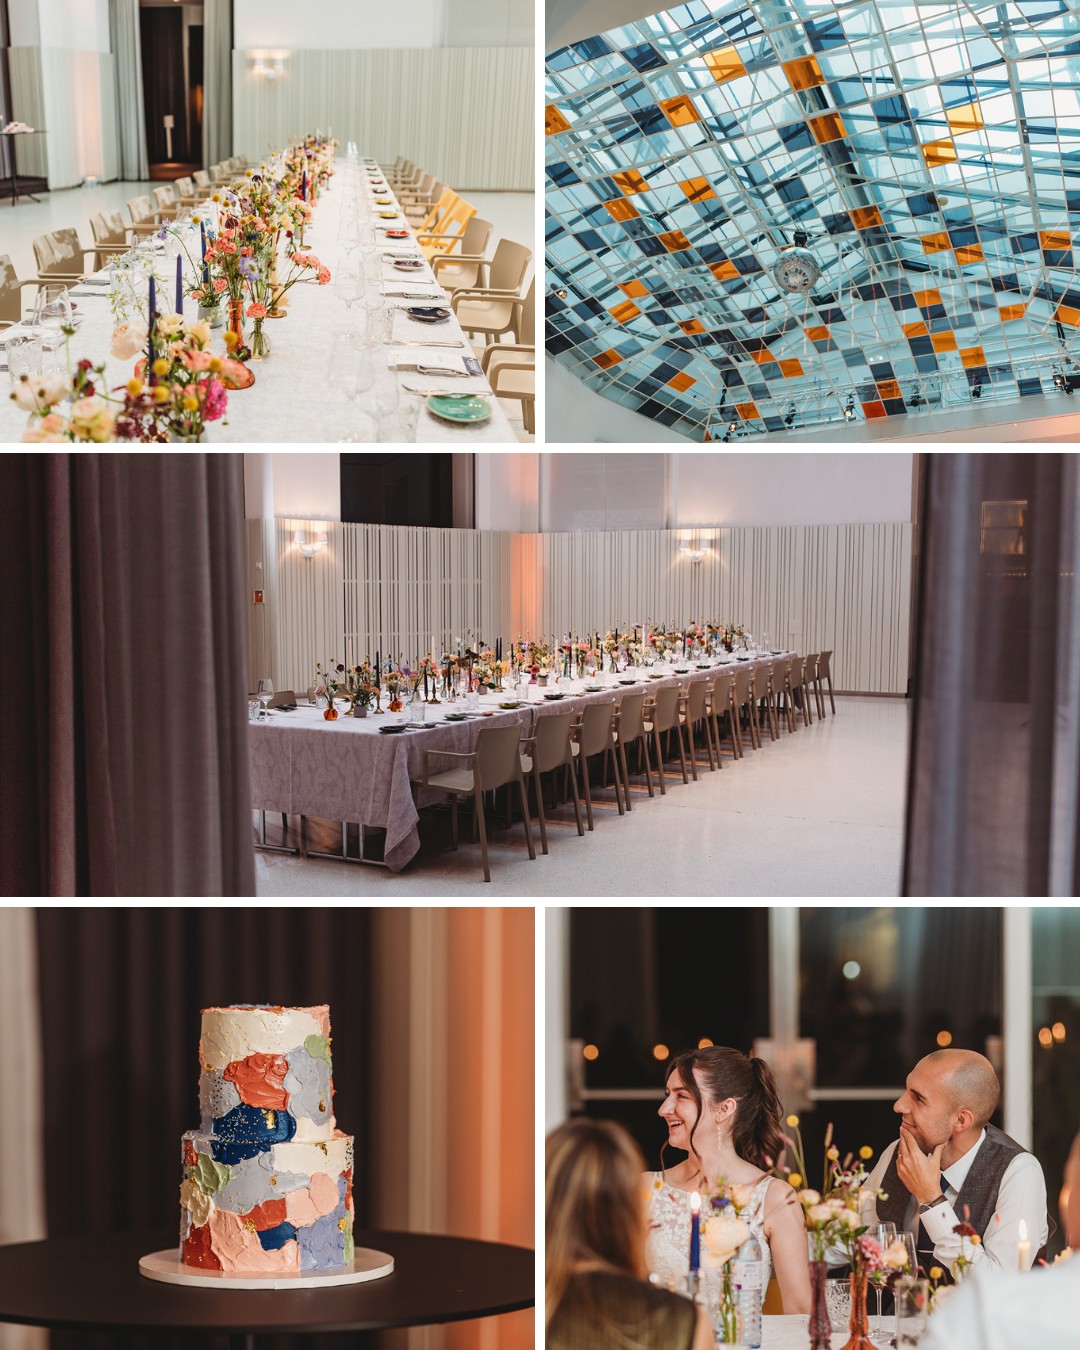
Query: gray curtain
point(124, 770)
point(127, 52)
point(995, 754)
point(217, 81)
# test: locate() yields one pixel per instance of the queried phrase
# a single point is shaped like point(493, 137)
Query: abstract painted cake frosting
point(267, 1175)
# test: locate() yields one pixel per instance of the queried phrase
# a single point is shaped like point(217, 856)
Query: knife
point(410, 342)
point(445, 393)
point(437, 371)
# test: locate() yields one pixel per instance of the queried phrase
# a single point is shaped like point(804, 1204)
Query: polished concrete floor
point(511, 214)
point(817, 814)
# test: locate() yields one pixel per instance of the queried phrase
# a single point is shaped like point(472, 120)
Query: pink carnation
point(215, 399)
point(256, 311)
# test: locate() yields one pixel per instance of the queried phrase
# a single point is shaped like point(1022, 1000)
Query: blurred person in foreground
point(597, 1297)
point(1022, 1310)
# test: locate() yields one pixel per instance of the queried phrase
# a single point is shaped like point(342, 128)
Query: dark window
point(404, 489)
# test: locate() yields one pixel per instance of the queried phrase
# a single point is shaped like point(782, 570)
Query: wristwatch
point(930, 1204)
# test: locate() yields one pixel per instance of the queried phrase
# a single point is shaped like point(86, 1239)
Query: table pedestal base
point(167, 1267)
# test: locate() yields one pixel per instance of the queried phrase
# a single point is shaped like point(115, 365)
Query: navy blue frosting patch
point(248, 1130)
point(273, 1238)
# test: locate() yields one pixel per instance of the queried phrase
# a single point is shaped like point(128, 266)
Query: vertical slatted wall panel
point(842, 588)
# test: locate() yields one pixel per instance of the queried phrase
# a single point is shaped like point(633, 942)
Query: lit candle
point(150, 334)
point(179, 285)
point(1023, 1253)
point(695, 1231)
point(425, 680)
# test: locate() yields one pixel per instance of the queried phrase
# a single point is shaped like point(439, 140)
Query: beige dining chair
point(494, 309)
point(800, 685)
point(761, 692)
point(720, 701)
point(549, 748)
point(782, 697)
point(11, 289)
point(511, 366)
point(743, 698)
point(594, 734)
point(629, 728)
point(202, 180)
point(661, 719)
point(456, 270)
point(494, 763)
point(111, 236)
point(60, 256)
point(144, 218)
point(693, 714)
point(824, 673)
point(167, 202)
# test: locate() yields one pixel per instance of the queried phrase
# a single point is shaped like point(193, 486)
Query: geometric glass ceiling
point(929, 153)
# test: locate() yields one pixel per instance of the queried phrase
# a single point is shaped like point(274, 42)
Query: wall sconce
point(309, 545)
point(268, 65)
point(694, 554)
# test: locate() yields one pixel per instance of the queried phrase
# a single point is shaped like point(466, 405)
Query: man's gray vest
point(979, 1193)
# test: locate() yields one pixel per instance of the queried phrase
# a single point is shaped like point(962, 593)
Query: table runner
point(291, 400)
point(346, 769)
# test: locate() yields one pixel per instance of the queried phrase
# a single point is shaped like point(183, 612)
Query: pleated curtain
point(127, 53)
point(22, 1196)
point(125, 771)
point(995, 746)
point(217, 81)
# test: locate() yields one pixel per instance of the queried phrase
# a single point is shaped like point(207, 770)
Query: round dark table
point(93, 1284)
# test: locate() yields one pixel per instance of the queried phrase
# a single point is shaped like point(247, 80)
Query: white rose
point(127, 341)
point(199, 332)
point(896, 1255)
point(723, 1238)
point(740, 1195)
point(168, 325)
point(820, 1214)
point(807, 1198)
point(39, 391)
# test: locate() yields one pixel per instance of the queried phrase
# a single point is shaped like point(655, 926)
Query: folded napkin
point(436, 361)
point(417, 290)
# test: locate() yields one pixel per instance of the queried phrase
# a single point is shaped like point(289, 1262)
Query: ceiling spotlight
point(976, 390)
point(560, 293)
point(915, 398)
point(789, 420)
point(849, 410)
point(732, 426)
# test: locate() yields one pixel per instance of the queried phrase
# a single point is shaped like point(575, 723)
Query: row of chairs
point(485, 293)
point(747, 702)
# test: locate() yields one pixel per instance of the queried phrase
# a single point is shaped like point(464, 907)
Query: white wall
point(301, 485)
point(715, 488)
point(507, 492)
point(604, 490)
point(76, 25)
point(370, 24)
point(574, 415)
point(24, 22)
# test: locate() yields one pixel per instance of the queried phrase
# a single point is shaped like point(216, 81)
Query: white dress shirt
point(997, 1311)
point(1021, 1195)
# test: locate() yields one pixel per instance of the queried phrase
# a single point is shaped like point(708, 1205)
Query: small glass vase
point(726, 1317)
point(859, 1325)
point(820, 1322)
point(236, 318)
point(416, 707)
point(395, 704)
point(260, 342)
point(330, 713)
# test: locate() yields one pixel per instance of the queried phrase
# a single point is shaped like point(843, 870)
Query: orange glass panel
point(634, 289)
point(1066, 314)
point(791, 368)
point(607, 359)
point(874, 410)
point(763, 357)
point(804, 73)
point(1054, 239)
point(1008, 312)
point(915, 330)
point(698, 189)
point(936, 243)
point(554, 121)
point(924, 299)
point(747, 411)
point(674, 240)
point(725, 271)
point(817, 334)
point(630, 181)
point(830, 127)
point(972, 356)
point(968, 117)
point(724, 64)
point(681, 382)
point(621, 209)
point(863, 217)
point(943, 342)
point(939, 152)
point(627, 310)
point(969, 253)
point(692, 326)
point(888, 389)
point(680, 112)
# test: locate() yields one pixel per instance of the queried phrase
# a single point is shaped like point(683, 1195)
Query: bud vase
point(726, 1318)
point(277, 302)
point(395, 704)
point(236, 319)
point(212, 315)
point(331, 713)
point(260, 342)
point(820, 1324)
point(859, 1325)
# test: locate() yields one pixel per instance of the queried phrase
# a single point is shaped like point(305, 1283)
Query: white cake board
point(167, 1267)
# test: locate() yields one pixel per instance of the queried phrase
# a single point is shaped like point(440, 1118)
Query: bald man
point(949, 1159)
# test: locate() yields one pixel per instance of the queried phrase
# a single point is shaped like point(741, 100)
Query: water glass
point(253, 710)
point(912, 1311)
point(24, 356)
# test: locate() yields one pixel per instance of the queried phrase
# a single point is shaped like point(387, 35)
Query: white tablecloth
point(291, 400)
point(793, 1333)
point(347, 769)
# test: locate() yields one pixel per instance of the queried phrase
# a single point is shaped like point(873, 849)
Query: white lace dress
point(667, 1243)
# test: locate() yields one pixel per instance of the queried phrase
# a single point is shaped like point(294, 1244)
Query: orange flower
point(256, 312)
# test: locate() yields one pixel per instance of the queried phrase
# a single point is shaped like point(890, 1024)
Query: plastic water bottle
point(747, 1271)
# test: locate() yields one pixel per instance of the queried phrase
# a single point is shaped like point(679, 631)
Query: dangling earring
point(719, 1133)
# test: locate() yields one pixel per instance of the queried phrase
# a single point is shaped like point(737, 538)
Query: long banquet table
point(292, 399)
point(347, 770)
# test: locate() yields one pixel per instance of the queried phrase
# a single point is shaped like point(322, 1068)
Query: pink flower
point(196, 360)
point(324, 275)
point(219, 284)
point(870, 1253)
point(256, 311)
point(215, 399)
point(127, 341)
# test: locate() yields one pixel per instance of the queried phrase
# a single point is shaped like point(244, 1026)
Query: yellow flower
point(134, 388)
point(793, 1121)
point(160, 366)
point(975, 1241)
point(936, 1272)
point(794, 1179)
point(216, 197)
point(191, 403)
point(231, 338)
point(215, 364)
point(196, 220)
point(832, 1153)
point(866, 1152)
point(161, 393)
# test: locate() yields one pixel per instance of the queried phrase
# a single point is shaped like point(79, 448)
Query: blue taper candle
point(179, 285)
point(202, 237)
point(695, 1231)
point(150, 333)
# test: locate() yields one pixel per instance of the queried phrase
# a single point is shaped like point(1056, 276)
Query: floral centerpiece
point(723, 1232)
point(396, 682)
point(581, 652)
point(833, 1218)
point(487, 670)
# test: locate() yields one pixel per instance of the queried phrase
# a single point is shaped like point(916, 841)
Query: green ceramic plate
point(459, 407)
point(453, 717)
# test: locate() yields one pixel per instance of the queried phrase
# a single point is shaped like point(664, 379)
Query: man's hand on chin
point(920, 1172)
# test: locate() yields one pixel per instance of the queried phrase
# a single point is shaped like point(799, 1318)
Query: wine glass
point(266, 693)
point(883, 1234)
point(908, 1239)
point(52, 314)
point(348, 286)
point(387, 398)
point(352, 373)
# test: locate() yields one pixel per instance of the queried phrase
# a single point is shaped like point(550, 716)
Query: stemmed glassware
point(352, 373)
point(52, 314)
point(265, 692)
point(883, 1234)
point(348, 287)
